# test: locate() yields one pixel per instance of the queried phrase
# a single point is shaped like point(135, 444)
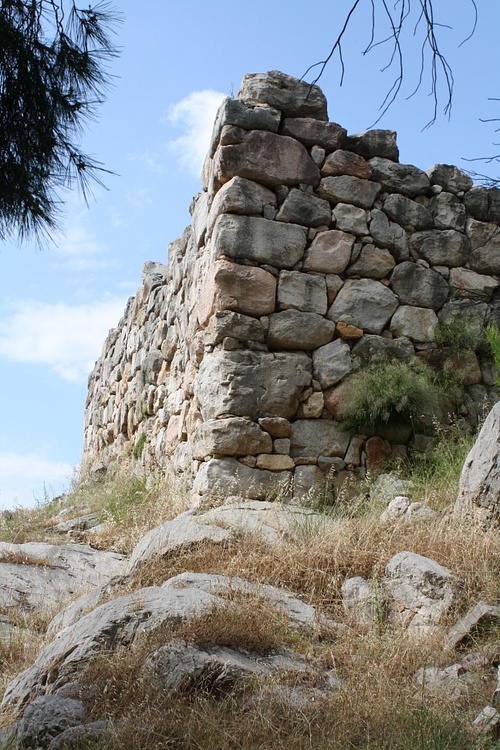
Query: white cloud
point(67, 338)
point(29, 478)
point(78, 248)
point(151, 160)
point(195, 114)
point(139, 198)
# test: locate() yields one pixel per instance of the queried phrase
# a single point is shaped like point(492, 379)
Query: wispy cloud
point(67, 338)
point(27, 478)
point(195, 114)
point(149, 159)
point(139, 198)
point(79, 248)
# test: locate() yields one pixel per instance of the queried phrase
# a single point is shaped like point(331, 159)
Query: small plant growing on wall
point(390, 391)
point(493, 337)
point(458, 333)
point(139, 446)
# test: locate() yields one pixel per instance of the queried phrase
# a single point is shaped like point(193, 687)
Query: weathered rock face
point(51, 574)
point(479, 488)
point(120, 621)
point(310, 253)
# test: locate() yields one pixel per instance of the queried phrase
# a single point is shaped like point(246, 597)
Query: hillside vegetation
point(379, 705)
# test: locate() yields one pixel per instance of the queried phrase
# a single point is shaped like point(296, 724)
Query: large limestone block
point(303, 208)
point(293, 97)
point(330, 252)
point(441, 248)
point(259, 240)
point(346, 162)
point(292, 329)
point(415, 323)
point(450, 178)
point(422, 591)
point(318, 437)
point(406, 212)
point(307, 480)
point(485, 246)
point(221, 477)
point(252, 384)
point(470, 281)
point(245, 289)
point(372, 143)
point(399, 178)
point(332, 362)
point(246, 115)
point(364, 303)
point(418, 286)
point(350, 218)
point(388, 234)
point(313, 132)
point(373, 263)
point(448, 212)
point(240, 196)
point(479, 487)
point(349, 189)
point(266, 158)
point(199, 218)
point(277, 427)
point(275, 462)
point(476, 202)
point(302, 291)
point(224, 323)
point(494, 204)
point(40, 575)
point(233, 436)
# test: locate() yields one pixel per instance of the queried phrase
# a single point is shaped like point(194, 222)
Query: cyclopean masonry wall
point(309, 252)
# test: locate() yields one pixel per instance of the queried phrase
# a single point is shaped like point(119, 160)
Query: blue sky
point(178, 61)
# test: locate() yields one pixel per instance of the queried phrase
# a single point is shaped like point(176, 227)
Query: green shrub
point(458, 333)
point(390, 391)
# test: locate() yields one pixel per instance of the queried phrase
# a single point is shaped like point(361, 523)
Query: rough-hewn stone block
point(266, 158)
point(246, 289)
point(293, 97)
point(259, 240)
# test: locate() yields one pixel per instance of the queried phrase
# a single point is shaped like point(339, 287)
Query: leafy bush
point(390, 391)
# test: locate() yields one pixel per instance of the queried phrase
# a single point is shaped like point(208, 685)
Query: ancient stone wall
point(310, 251)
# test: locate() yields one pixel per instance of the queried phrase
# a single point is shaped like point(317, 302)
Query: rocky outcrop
point(48, 700)
point(43, 576)
point(479, 488)
point(121, 621)
point(310, 252)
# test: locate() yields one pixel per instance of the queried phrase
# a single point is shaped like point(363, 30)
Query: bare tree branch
point(434, 65)
point(434, 69)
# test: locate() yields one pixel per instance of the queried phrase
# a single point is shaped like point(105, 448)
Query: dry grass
point(381, 707)
point(314, 564)
point(130, 506)
point(18, 651)
point(17, 558)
